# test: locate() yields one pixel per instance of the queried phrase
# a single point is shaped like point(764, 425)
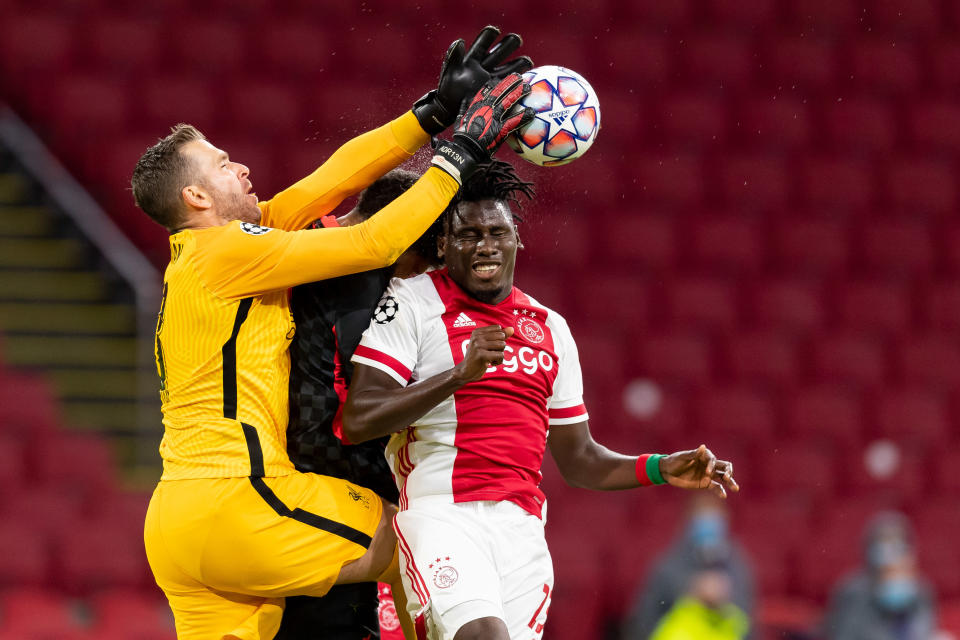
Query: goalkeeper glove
point(462, 75)
point(483, 125)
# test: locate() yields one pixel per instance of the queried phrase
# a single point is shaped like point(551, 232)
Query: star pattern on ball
point(559, 123)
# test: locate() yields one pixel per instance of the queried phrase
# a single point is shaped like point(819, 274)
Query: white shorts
point(460, 562)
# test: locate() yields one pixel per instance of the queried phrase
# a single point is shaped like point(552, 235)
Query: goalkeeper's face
point(479, 247)
point(226, 183)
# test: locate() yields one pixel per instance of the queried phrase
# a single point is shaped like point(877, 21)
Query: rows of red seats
point(763, 232)
point(73, 566)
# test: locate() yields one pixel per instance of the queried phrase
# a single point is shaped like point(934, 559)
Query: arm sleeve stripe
point(572, 420)
point(568, 412)
point(388, 364)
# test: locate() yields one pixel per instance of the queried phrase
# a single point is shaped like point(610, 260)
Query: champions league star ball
point(567, 117)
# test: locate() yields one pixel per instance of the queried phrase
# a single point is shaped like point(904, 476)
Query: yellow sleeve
point(352, 168)
point(239, 260)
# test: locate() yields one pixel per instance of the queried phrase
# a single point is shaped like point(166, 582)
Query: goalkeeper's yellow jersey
point(225, 324)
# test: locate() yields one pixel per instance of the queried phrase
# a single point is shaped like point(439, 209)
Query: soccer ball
point(567, 117)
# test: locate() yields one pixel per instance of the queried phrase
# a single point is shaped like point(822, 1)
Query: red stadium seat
point(826, 14)
point(618, 301)
point(56, 463)
point(931, 360)
point(627, 115)
point(120, 612)
point(652, 12)
point(215, 46)
point(915, 16)
point(861, 123)
point(802, 63)
point(791, 305)
point(754, 182)
point(694, 117)
point(850, 358)
point(799, 469)
point(266, 108)
point(366, 52)
point(878, 64)
point(642, 57)
point(570, 236)
point(811, 244)
point(92, 555)
point(47, 509)
point(762, 357)
point(946, 478)
point(831, 182)
point(736, 412)
point(312, 57)
point(726, 244)
point(197, 103)
point(949, 237)
point(39, 615)
point(675, 357)
point(942, 306)
point(36, 43)
point(919, 184)
point(916, 416)
point(945, 64)
point(669, 178)
point(14, 467)
point(701, 302)
point(27, 406)
point(874, 305)
point(824, 414)
point(602, 357)
point(26, 558)
point(774, 121)
point(86, 103)
point(125, 43)
point(936, 124)
point(718, 59)
point(750, 13)
point(639, 240)
point(897, 246)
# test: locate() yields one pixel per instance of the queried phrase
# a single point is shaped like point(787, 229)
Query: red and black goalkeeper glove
point(483, 125)
point(464, 72)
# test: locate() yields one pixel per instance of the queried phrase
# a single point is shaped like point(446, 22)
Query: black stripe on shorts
point(307, 518)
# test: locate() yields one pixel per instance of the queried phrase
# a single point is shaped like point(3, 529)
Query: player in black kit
point(331, 316)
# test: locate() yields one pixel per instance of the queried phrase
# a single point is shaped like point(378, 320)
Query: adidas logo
point(463, 320)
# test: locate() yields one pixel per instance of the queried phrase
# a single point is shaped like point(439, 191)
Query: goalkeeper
point(232, 528)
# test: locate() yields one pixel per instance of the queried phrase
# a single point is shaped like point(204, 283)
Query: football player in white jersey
point(473, 379)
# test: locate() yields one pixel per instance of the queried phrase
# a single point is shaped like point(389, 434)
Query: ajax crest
point(530, 329)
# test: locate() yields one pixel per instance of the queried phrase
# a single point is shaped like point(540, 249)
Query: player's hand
point(483, 125)
point(699, 469)
point(463, 73)
point(485, 350)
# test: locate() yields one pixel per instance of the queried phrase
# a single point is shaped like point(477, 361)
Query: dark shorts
point(347, 612)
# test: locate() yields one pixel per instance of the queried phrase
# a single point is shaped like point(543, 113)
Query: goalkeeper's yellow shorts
point(226, 551)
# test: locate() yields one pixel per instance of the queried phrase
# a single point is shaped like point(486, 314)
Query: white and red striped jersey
point(486, 441)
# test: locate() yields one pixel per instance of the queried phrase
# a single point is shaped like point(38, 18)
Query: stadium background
point(761, 252)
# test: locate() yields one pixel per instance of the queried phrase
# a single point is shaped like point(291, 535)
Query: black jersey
point(331, 316)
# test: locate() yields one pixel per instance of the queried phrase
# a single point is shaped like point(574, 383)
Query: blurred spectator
point(705, 612)
point(887, 599)
point(704, 560)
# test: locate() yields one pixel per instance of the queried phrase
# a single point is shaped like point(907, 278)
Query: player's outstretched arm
point(356, 164)
point(585, 463)
point(378, 405)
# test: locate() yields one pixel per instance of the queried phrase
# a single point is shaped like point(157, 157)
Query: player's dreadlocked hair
point(495, 180)
point(385, 190)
